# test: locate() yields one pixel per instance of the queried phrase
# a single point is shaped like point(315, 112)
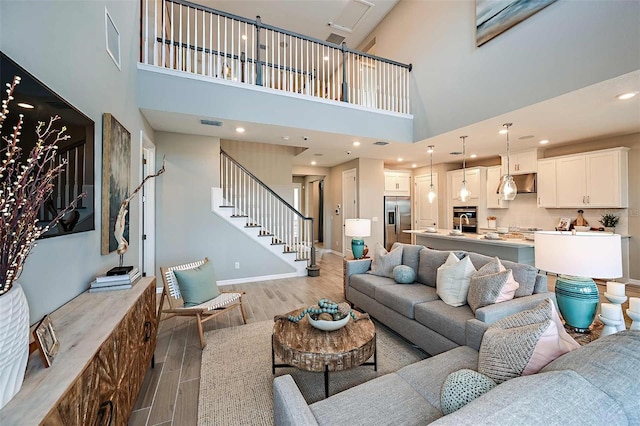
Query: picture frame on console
point(116, 173)
point(46, 340)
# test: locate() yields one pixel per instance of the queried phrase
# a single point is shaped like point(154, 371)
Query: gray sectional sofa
point(416, 312)
point(597, 384)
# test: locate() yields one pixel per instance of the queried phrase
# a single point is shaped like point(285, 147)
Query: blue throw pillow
point(197, 285)
point(404, 274)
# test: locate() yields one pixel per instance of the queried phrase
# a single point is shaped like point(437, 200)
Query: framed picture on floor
point(116, 173)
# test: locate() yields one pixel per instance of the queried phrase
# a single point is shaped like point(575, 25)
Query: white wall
point(566, 46)
point(63, 45)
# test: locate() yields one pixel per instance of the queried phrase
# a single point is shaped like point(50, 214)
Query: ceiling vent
point(211, 122)
point(351, 15)
point(335, 38)
point(381, 143)
point(456, 153)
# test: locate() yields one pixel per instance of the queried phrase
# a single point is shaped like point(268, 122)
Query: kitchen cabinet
point(494, 201)
point(472, 176)
point(521, 162)
point(594, 179)
point(397, 183)
point(547, 183)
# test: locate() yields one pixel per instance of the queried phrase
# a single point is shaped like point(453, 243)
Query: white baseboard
point(337, 253)
point(256, 279)
point(633, 282)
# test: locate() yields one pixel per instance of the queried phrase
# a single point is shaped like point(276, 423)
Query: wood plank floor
point(169, 394)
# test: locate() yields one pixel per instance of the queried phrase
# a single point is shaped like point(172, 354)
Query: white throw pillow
point(383, 263)
point(453, 279)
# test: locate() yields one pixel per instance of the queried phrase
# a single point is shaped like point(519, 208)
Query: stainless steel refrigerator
point(397, 218)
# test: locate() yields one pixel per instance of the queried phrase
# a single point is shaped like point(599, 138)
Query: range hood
point(526, 183)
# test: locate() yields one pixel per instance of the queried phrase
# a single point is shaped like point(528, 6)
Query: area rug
point(236, 380)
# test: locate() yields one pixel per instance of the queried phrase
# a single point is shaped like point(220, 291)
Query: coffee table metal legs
point(326, 381)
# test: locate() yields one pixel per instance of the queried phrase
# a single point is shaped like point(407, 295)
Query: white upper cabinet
point(494, 201)
point(592, 180)
point(521, 162)
point(397, 183)
point(547, 183)
point(473, 183)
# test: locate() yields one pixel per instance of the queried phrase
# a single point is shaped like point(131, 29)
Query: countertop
point(470, 237)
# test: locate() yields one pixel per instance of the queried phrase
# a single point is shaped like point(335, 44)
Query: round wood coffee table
point(305, 347)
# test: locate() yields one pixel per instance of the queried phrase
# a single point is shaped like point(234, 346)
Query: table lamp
point(358, 229)
point(577, 258)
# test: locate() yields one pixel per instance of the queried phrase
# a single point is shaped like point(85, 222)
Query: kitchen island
point(516, 250)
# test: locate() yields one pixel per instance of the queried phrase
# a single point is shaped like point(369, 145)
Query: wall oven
point(471, 213)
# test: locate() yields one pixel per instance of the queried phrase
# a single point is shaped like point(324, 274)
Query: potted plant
point(26, 182)
point(609, 221)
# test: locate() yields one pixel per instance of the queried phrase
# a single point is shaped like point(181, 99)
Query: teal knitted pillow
point(462, 387)
point(404, 274)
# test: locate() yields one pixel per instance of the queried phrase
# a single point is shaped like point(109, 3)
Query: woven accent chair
point(203, 312)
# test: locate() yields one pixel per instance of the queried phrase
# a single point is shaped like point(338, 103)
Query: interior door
point(349, 205)
point(148, 210)
point(426, 213)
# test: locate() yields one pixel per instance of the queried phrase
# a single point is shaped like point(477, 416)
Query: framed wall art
point(494, 17)
point(46, 341)
point(116, 172)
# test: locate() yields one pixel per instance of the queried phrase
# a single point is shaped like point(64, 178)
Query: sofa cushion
point(367, 283)
point(444, 319)
point(461, 387)
point(370, 403)
point(430, 261)
point(453, 279)
point(410, 255)
point(611, 365)
point(524, 274)
point(403, 297)
point(404, 274)
point(383, 262)
point(487, 289)
point(427, 376)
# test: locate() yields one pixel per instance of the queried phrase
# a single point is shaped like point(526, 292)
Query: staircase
point(255, 209)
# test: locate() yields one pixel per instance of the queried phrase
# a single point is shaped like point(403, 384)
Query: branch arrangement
point(25, 186)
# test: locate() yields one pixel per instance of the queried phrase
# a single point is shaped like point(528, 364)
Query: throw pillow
point(404, 274)
point(491, 284)
point(197, 285)
point(461, 387)
point(453, 278)
point(523, 343)
point(383, 263)
point(430, 261)
point(410, 254)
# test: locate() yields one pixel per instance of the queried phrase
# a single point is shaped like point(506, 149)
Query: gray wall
point(187, 229)
point(566, 46)
point(63, 45)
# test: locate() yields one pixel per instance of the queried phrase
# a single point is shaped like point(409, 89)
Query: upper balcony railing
point(188, 37)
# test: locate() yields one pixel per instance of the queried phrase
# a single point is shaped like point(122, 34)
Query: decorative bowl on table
point(328, 325)
point(582, 228)
point(431, 229)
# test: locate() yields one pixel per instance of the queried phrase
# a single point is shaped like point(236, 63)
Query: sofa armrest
point(352, 267)
point(492, 313)
point(289, 406)
point(474, 331)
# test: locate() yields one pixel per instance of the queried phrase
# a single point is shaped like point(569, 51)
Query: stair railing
point(263, 208)
point(188, 37)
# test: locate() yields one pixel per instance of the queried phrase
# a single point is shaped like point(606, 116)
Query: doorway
point(148, 208)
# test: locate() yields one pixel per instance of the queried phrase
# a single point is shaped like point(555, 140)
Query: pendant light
point(464, 191)
point(431, 196)
point(508, 189)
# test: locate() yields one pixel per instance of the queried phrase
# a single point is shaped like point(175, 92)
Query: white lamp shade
point(357, 227)
point(584, 254)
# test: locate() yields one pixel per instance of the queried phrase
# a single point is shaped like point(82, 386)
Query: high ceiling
point(590, 113)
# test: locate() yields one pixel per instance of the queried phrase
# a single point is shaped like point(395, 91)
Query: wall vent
point(381, 143)
point(335, 38)
point(211, 122)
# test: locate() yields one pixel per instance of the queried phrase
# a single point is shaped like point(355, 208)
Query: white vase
point(14, 342)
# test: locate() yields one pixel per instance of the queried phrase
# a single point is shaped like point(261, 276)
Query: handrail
point(265, 186)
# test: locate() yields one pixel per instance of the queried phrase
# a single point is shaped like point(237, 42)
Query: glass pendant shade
point(431, 196)
point(464, 191)
point(508, 189)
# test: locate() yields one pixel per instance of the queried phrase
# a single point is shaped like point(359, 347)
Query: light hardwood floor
point(169, 394)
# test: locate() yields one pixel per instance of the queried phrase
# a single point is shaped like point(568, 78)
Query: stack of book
point(114, 282)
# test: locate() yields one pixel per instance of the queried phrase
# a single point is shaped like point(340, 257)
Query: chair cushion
point(197, 285)
point(453, 279)
point(430, 261)
point(403, 274)
point(461, 387)
point(444, 319)
point(403, 297)
point(524, 274)
point(367, 283)
point(410, 255)
point(383, 262)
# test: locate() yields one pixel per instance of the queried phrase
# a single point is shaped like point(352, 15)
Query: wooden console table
point(107, 341)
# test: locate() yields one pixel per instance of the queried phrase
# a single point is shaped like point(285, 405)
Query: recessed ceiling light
point(356, 143)
point(240, 129)
point(625, 96)
point(473, 155)
point(25, 105)
point(313, 163)
point(503, 131)
point(544, 141)
point(400, 159)
point(414, 165)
